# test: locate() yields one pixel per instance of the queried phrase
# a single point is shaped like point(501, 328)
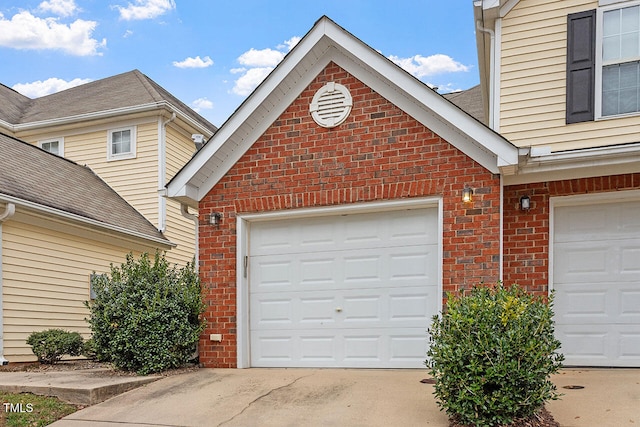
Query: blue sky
point(211, 54)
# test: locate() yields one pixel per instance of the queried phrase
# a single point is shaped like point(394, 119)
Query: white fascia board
point(431, 109)
point(47, 210)
point(585, 163)
point(107, 114)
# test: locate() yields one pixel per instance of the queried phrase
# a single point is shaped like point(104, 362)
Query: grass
point(30, 410)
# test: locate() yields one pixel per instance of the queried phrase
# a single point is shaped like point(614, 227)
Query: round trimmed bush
point(50, 345)
point(492, 353)
point(146, 315)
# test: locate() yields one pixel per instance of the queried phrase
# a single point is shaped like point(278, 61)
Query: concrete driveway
point(338, 397)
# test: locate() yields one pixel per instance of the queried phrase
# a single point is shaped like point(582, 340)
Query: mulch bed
point(99, 369)
point(541, 419)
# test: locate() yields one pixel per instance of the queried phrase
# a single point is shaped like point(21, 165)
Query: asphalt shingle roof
point(124, 90)
point(32, 174)
point(469, 101)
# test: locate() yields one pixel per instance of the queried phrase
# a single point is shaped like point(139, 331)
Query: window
point(54, 146)
point(620, 61)
point(603, 61)
point(122, 144)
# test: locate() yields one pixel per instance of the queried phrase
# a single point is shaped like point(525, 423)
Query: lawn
point(30, 410)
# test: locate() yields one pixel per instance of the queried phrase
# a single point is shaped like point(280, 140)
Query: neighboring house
point(129, 130)
point(332, 213)
point(561, 81)
point(59, 223)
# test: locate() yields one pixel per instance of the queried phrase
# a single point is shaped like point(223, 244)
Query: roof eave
point(105, 114)
point(92, 223)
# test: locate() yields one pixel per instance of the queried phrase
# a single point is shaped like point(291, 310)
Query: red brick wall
point(378, 153)
point(526, 234)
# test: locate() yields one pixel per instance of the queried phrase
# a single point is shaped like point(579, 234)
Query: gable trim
point(327, 42)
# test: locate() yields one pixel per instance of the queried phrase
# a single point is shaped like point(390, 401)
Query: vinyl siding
point(533, 81)
point(46, 280)
point(134, 179)
point(179, 230)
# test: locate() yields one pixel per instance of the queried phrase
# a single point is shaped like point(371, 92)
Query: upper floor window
point(121, 143)
point(620, 61)
point(54, 146)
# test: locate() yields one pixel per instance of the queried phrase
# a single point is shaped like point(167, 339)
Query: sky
point(211, 54)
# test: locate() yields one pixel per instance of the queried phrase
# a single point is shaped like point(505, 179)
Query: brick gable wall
point(378, 153)
point(526, 234)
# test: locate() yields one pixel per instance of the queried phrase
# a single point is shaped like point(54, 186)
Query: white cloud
point(25, 31)
point(250, 80)
point(291, 43)
point(59, 7)
point(421, 66)
point(257, 64)
point(127, 34)
point(41, 88)
point(145, 9)
point(196, 62)
point(261, 58)
point(201, 104)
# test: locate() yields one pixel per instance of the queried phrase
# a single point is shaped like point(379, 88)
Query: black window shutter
point(581, 66)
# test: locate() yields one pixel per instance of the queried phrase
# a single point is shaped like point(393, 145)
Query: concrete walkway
point(82, 387)
point(339, 397)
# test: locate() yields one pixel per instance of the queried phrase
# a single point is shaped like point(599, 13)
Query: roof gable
point(327, 42)
point(33, 177)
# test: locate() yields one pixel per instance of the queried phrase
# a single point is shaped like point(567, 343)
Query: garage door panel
point(596, 270)
point(345, 291)
point(344, 269)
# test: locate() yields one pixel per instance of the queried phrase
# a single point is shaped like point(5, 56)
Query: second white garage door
point(596, 276)
point(344, 291)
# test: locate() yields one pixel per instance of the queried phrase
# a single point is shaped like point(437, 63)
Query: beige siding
point(46, 280)
point(136, 180)
point(533, 85)
point(179, 230)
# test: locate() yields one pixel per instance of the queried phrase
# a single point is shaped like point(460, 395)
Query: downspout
point(184, 210)
point(9, 211)
point(501, 246)
point(162, 171)
point(492, 64)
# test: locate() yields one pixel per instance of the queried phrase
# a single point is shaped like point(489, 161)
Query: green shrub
point(492, 353)
point(89, 349)
point(50, 345)
point(146, 316)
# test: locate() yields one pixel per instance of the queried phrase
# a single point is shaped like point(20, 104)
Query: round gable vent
point(331, 105)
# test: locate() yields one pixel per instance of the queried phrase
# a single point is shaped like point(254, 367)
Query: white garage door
point(343, 291)
point(596, 275)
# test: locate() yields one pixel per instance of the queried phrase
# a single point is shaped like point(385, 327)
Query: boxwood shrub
point(146, 315)
point(51, 345)
point(492, 353)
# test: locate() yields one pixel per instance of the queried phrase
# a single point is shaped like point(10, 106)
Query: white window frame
point(610, 5)
point(128, 155)
point(60, 142)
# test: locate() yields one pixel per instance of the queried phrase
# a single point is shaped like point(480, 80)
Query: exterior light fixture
point(215, 218)
point(525, 203)
point(467, 195)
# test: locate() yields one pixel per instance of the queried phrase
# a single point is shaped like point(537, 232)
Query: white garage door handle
point(338, 309)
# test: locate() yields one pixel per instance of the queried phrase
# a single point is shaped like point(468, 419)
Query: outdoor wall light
point(215, 218)
point(525, 203)
point(467, 195)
